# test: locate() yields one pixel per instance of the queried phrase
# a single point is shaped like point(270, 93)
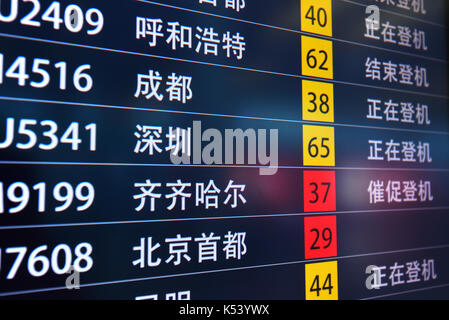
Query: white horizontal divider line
point(406, 292)
point(110, 164)
point(254, 216)
point(84, 104)
point(118, 164)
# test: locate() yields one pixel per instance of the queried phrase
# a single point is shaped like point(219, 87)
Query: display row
point(161, 253)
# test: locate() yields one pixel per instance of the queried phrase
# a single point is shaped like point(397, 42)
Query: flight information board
point(224, 149)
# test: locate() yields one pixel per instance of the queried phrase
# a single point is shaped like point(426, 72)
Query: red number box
point(319, 191)
point(320, 237)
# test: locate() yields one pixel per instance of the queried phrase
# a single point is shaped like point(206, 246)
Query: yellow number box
point(316, 16)
point(321, 281)
point(317, 57)
point(318, 146)
point(317, 101)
